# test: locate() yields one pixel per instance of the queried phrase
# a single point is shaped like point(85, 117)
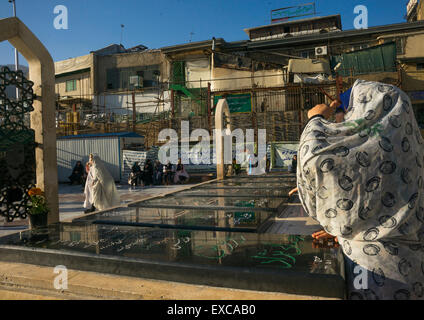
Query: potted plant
point(39, 210)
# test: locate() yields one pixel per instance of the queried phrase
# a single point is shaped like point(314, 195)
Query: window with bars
point(75, 236)
point(308, 54)
point(71, 85)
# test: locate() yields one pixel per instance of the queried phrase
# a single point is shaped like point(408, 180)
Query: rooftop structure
point(296, 28)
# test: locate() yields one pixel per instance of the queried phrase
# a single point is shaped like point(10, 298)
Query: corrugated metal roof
point(103, 135)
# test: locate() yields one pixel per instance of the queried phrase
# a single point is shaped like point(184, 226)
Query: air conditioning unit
point(321, 51)
point(136, 81)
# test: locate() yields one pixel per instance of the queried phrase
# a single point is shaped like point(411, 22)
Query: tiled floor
point(71, 200)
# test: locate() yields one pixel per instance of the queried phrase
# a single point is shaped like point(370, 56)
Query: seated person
point(133, 180)
point(267, 165)
point(158, 171)
point(77, 174)
point(135, 175)
point(236, 167)
point(148, 173)
point(181, 175)
point(169, 173)
point(294, 164)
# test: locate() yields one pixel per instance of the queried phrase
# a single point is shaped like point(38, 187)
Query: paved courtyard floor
point(71, 198)
point(71, 201)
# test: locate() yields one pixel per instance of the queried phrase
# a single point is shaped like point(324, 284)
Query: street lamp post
point(16, 50)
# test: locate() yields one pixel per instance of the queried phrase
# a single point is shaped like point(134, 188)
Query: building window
point(420, 66)
point(400, 46)
point(71, 85)
point(75, 236)
point(310, 54)
point(132, 78)
point(304, 54)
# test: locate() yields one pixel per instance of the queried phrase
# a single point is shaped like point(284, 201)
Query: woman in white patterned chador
point(362, 180)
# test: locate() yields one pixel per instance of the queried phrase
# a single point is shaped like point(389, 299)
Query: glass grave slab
point(266, 262)
point(212, 202)
point(267, 176)
point(272, 193)
point(293, 208)
point(260, 180)
point(292, 219)
point(243, 221)
point(226, 184)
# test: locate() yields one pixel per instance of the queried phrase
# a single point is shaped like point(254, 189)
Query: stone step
point(24, 281)
point(20, 293)
point(16, 294)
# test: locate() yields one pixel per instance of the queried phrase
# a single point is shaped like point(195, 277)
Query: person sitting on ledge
point(181, 175)
point(77, 174)
point(236, 167)
point(294, 164)
point(135, 175)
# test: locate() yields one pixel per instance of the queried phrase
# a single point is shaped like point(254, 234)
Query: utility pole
point(122, 33)
point(209, 108)
point(16, 50)
point(134, 112)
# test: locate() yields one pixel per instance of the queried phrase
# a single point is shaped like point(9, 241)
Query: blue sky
point(94, 24)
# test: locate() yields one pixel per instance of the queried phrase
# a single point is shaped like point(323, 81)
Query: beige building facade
point(74, 79)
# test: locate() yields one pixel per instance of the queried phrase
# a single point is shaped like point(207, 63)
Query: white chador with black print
point(362, 180)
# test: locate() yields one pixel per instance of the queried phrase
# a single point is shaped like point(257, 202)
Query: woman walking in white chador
point(100, 190)
point(362, 180)
point(88, 202)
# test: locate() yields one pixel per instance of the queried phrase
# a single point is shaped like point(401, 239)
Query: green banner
point(376, 59)
point(292, 12)
point(238, 103)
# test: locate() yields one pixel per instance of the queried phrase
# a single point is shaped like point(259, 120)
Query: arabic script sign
point(292, 12)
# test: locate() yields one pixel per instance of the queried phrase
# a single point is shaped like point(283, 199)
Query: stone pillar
point(41, 72)
point(222, 121)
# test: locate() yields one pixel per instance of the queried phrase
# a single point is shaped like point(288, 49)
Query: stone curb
point(38, 281)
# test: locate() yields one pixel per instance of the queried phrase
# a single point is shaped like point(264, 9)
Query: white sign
point(284, 154)
point(411, 5)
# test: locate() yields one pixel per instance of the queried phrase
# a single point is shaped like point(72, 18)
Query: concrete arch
point(41, 72)
point(222, 122)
